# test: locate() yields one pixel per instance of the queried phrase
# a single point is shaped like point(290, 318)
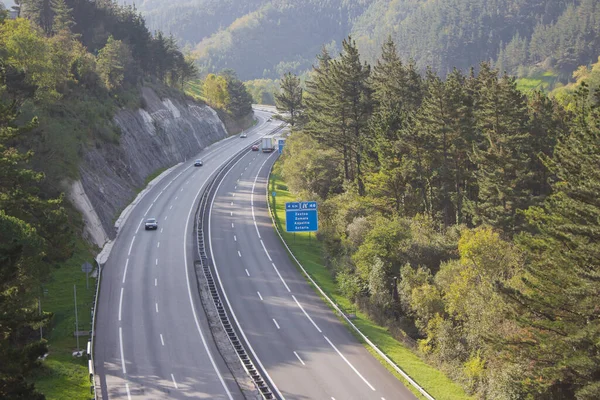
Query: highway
point(152, 339)
point(305, 350)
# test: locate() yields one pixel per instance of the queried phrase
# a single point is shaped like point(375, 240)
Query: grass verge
point(63, 376)
point(309, 252)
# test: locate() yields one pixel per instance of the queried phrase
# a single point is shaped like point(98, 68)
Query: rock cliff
point(158, 136)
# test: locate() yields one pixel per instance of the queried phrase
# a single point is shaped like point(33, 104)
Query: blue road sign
point(301, 217)
point(281, 143)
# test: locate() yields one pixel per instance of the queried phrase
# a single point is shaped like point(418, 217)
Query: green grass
point(309, 252)
point(543, 81)
point(63, 376)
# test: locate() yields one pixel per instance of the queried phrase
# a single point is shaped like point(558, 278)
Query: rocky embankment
point(163, 133)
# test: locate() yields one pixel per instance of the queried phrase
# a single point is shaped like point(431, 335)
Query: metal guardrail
point(335, 306)
point(90, 348)
point(206, 262)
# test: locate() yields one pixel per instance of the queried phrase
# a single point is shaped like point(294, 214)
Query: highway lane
point(301, 344)
point(152, 339)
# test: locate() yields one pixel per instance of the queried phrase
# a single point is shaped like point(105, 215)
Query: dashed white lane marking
point(232, 213)
point(157, 245)
point(247, 273)
point(161, 229)
point(232, 225)
point(239, 254)
point(299, 359)
point(155, 281)
point(125, 272)
point(232, 203)
point(120, 303)
point(181, 190)
point(265, 249)
point(280, 277)
point(174, 383)
point(156, 306)
point(307, 316)
point(128, 392)
point(162, 340)
point(148, 210)
point(170, 207)
point(131, 245)
point(122, 354)
point(140, 224)
point(157, 261)
point(276, 324)
point(166, 216)
point(234, 238)
point(348, 362)
point(154, 201)
point(259, 295)
point(188, 181)
point(235, 188)
point(233, 194)
point(176, 197)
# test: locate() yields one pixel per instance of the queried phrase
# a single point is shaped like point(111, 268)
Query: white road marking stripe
point(157, 245)
point(157, 261)
point(239, 254)
point(170, 207)
point(140, 224)
point(299, 359)
point(232, 203)
point(166, 216)
point(161, 229)
point(176, 197)
point(156, 304)
point(234, 238)
point(157, 197)
point(348, 362)
point(148, 210)
point(128, 392)
point(122, 355)
point(232, 213)
point(162, 340)
point(280, 277)
point(259, 295)
point(174, 383)
point(276, 324)
point(233, 194)
point(247, 273)
point(155, 282)
point(265, 249)
point(131, 245)
point(307, 316)
point(181, 190)
point(188, 181)
point(120, 303)
point(125, 272)
point(232, 225)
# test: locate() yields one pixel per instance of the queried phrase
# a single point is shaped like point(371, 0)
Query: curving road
point(305, 350)
point(152, 338)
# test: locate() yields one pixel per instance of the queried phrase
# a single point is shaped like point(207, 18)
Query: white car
point(243, 136)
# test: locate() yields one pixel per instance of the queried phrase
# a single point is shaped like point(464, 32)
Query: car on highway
point(198, 163)
point(151, 224)
point(243, 136)
point(270, 119)
point(254, 147)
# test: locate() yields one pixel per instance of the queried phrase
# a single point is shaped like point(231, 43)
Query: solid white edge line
point(299, 359)
point(348, 362)
point(187, 223)
point(122, 353)
point(225, 294)
point(265, 249)
point(392, 364)
point(120, 303)
point(125, 271)
point(128, 392)
point(280, 277)
point(174, 383)
point(307, 316)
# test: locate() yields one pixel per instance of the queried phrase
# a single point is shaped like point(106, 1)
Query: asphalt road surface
point(152, 338)
point(305, 350)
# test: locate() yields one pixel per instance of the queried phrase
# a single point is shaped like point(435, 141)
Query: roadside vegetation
point(459, 213)
point(309, 251)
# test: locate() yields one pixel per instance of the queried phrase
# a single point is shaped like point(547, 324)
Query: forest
point(460, 213)
point(66, 66)
point(266, 38)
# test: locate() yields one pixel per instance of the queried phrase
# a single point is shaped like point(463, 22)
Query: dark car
point(198, 163)
point(151, 224)
point(270, 119)
point(254, 147)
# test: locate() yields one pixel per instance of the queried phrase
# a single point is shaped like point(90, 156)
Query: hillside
point(263, 39)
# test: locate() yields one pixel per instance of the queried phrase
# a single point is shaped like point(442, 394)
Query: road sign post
point(301, 216)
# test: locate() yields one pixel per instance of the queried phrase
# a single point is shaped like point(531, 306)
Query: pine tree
point(559, 300)
point(502, 159)
point(63, 19)
point(290, 97)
